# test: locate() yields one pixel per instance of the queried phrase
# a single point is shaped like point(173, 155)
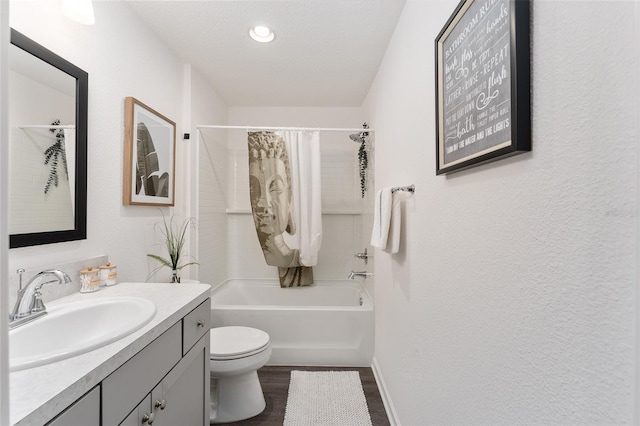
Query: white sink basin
point(74, 328)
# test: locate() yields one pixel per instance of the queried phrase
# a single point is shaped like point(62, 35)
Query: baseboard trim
point(386, 398)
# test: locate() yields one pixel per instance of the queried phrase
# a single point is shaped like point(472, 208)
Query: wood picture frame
point(483, 70)
point(149, 156)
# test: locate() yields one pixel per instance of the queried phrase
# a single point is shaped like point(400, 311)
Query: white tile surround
point(212, 216)
point(341, 232)
point(40, 393)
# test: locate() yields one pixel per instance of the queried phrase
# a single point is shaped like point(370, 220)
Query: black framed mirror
point(48, 98)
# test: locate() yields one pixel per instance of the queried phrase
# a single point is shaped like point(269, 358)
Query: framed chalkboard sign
point(482, 84)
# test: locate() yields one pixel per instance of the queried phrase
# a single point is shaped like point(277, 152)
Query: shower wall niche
point(225, 214)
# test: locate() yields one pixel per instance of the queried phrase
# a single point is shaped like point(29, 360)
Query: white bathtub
point(327, 324)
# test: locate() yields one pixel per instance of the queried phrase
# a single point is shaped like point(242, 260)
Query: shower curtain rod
point(48, 126)
point(319, 129)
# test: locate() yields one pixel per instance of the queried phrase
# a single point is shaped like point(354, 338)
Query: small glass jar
point(108, 274)
point(89, 280)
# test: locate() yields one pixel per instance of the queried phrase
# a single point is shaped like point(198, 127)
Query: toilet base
point(236, 398)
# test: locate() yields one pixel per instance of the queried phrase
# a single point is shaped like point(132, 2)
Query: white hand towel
point(381, 218)
point(393, 245)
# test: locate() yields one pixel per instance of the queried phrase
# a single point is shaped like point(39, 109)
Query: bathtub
point(327, 324)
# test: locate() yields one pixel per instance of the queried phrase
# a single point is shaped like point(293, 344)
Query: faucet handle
point(364, 255)
point(37, 305)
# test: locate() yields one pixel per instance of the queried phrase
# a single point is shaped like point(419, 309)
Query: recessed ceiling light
point(80, 11)
point(262, 34)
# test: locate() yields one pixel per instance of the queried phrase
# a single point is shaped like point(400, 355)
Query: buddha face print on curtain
point(282, 223)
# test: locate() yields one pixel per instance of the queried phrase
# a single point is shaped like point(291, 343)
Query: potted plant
point(174, 239)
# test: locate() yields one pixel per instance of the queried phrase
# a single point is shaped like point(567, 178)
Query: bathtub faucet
point(363, 274)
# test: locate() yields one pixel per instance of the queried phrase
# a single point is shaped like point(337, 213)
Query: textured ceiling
point(326, 52)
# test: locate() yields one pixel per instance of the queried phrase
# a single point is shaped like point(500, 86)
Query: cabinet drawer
point(123, 390)
point(195, 324)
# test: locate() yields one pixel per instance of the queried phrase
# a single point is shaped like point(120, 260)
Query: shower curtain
point(284, 182)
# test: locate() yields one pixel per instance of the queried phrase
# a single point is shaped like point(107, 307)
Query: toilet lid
point(235, 341)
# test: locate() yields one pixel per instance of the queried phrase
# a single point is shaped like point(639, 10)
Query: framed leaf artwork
point(149, 156)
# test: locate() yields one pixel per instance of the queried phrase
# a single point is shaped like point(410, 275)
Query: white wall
point(123, 58)
point(513, 299)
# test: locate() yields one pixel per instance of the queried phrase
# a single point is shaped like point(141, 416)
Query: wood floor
point(275, 385)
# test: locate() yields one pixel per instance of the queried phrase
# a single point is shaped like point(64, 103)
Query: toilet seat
point(234, 342)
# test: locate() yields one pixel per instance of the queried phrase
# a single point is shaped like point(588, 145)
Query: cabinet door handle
point(200, 323)
point(148, 418)
point(160, 403)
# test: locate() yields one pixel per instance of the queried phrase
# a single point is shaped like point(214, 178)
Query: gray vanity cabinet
point(162, 384)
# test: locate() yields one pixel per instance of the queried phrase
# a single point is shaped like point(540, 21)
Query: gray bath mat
point(326, 398)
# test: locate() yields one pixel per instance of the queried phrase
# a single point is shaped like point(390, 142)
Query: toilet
point(236, 353)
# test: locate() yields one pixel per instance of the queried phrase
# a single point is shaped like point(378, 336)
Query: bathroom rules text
point(474, 82)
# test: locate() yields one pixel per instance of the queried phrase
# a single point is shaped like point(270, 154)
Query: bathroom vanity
point(157, 375)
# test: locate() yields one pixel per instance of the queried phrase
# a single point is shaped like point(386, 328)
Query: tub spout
point(363, 274)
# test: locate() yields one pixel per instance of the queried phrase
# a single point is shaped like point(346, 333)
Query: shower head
point(360, 137)
point(357, 137)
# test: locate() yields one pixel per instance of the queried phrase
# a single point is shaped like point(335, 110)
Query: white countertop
point(38, 394)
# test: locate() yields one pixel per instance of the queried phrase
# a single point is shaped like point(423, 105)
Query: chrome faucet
point(29, 304)
point(363, 274)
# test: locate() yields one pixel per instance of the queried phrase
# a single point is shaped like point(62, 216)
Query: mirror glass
point(48, 139)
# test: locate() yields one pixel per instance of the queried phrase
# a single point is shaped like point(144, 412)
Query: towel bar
point(410, 188)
